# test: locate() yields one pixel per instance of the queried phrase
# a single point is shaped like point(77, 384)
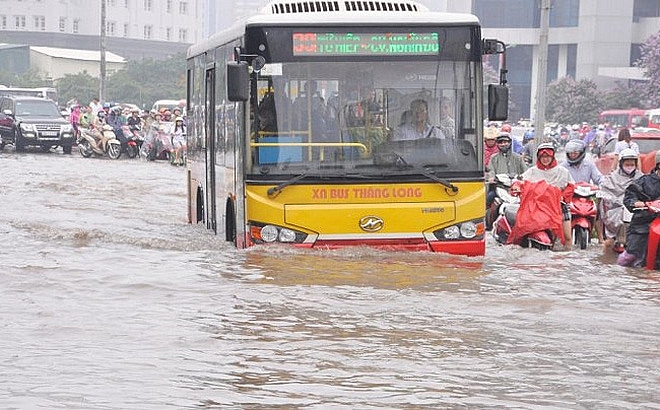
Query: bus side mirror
point(498, 102)
point(238, 81)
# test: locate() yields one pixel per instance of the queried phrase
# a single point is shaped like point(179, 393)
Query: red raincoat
point(540, 209)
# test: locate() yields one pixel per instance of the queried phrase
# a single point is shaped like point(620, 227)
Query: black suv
point(33, 121)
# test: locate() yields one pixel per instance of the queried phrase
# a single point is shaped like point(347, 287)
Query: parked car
point(32, 121)
point(648, 141)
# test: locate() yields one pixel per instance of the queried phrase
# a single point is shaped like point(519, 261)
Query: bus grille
point(311, 6)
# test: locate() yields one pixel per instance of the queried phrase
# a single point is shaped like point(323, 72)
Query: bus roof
point(318, 13)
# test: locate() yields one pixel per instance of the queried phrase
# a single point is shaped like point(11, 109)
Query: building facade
point(588, 39)
point(134, 28)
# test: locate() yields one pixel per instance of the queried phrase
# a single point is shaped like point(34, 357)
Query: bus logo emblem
point(371, 224)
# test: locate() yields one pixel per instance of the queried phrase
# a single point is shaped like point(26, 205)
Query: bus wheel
point(230, 222)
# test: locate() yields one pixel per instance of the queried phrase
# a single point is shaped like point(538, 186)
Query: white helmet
point(628, 153)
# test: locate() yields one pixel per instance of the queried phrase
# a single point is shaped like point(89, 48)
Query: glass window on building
point(110, 28)
point(20, 22)
point(525, 13)
point(183, 7)
point(126, 30)
point(62, 24)
point(76, 25)
point(183, 35)
point(646, 8)
point(147, 32)
point(565, 13)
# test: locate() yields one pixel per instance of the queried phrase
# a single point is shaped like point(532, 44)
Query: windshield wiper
point(437, 179)
point(277, 189)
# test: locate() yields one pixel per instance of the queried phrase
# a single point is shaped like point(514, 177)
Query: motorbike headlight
point(28, 127)
point(66, 129)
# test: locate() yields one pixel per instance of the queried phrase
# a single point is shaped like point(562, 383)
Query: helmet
point(629, 153)
point(178, 119)
point(545, 147)
point(503, 136)
point(506, 128)
point(490, 134)
point(575, 146)
point(101, 114)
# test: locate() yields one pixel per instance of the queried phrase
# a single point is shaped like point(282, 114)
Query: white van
point(169, 104)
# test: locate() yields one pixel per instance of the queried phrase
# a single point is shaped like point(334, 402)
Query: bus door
point(209, 136)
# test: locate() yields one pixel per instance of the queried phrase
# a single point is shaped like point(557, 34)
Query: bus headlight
point(453, 232)
point(287, 235)
point(464, 230)
point(269, 233)
point(468, 230)
point(261, 233)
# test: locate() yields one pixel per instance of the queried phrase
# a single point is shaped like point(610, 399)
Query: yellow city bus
point(324, 124)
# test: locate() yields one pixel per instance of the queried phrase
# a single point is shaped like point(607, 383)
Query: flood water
point(110, 300)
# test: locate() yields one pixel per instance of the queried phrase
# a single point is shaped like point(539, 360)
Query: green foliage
point(649, 62)
point(623, 96)
point(571, 101)
point(31, 78)
point(81, 86)
point(145, 81)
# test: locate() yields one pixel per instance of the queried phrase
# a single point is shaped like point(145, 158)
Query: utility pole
point(542, 75)
point(103, 46)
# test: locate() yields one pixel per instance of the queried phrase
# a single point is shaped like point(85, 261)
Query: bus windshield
point(372, 118)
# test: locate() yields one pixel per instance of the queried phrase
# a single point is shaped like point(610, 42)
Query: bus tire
point(230, 221)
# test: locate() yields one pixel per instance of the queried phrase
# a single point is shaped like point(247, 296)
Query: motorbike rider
point(610, 194)
point(546, 169)
point(490, 144)
point(134, 122)
point(505, 161)
point(178, 140)
point(646, 188)
point(583, 170)
point(96, 130)
point(529, 149)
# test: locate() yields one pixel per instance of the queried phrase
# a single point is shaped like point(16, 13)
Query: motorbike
point(158, 142)
point(583, 213)
point(536, 234)
point(500, 188)
point(132, 142)
point(653, 248)
point(87, 144)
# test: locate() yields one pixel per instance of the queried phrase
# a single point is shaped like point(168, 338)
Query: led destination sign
point(365, 44)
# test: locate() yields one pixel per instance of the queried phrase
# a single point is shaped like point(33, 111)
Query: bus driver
point(417, 125)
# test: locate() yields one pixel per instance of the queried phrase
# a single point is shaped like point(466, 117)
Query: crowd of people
point(93, 117)
point(620, 191)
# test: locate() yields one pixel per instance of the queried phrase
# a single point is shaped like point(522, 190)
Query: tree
point(82, 87)
point(649, 62)
point(145, 81)
point(571, 101)
point(624, 95)
point(31, 78)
